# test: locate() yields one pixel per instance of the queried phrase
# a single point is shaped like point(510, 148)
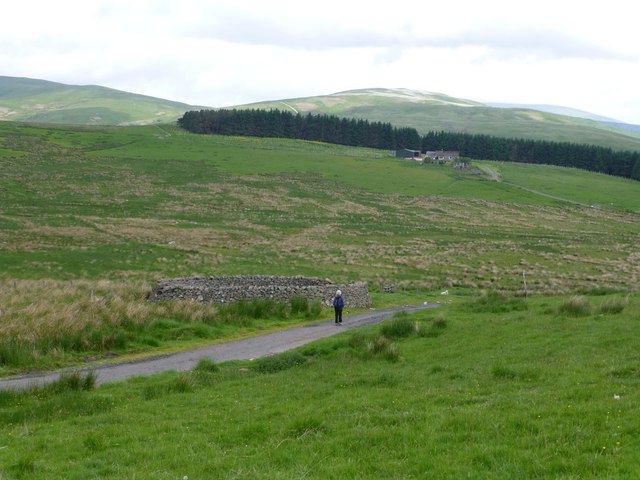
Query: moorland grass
point(511, 394)
point(573, 184)
point(576, 306)
point(613, 305)
point(50, 323)
point(499, 386)
point(79, 205)
point(141, 203)
point(400, 325)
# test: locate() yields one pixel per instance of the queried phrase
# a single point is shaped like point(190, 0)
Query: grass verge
point(522, 393)
point(84, 321)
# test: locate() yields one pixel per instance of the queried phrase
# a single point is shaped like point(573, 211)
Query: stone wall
point(233, 288)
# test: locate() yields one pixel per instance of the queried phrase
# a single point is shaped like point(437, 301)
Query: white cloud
point(216, 53)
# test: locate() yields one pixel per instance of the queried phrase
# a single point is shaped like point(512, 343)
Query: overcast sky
point(584, 54)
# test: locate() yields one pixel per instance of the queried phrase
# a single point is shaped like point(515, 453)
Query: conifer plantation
point(362, 133)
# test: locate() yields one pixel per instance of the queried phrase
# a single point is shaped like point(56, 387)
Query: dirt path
point(495, 177)
point(547, 195)
point(248, 348)
point(490, 171)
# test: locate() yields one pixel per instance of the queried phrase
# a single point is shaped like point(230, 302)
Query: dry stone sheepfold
point(233, 288)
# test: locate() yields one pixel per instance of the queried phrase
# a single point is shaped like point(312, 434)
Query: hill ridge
point(430, 111)
point(44, 101)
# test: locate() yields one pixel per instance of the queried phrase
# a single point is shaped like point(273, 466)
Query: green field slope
point(144, 202)
point(102, 212)
point(24, 99)
point(493, 384)
point(489, 388)
point(426, 111)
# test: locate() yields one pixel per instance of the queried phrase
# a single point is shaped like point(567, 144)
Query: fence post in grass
point(524, 284)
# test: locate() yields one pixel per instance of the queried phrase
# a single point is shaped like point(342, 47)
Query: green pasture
point(574, 185)
point(146, 202)
point(491, 387)
point(80, 206)
point(492, 384)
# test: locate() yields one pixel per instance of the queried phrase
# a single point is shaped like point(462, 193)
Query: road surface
point(245, 349)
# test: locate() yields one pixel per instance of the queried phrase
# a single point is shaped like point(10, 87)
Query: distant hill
point(30, 100)
point(572, 112)
point(625, 126)
point(427, 111)
point(557, 109)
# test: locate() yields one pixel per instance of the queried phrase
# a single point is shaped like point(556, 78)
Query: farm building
point(443, 155)
point(406, 153)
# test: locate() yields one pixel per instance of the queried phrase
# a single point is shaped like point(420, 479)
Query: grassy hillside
point(558, 109)
point(148, 201)
point(488, 386)
point(432, 111)
point(24, 99)
point(105, 211)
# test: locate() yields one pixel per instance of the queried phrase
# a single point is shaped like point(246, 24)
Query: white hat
point(338, 293)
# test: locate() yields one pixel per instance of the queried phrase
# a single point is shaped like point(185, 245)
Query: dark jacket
point(338, 302)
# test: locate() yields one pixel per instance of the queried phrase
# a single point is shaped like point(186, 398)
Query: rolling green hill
point(426, 111)
point(489, 385)
point(85, 205)
point(25, 99)
point(118, 196)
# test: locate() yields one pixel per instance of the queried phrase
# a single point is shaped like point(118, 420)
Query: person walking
point(338, 304)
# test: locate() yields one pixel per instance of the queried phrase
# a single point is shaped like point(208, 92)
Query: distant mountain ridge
point(31, 100)
point(430, 111)
point(625, 126)
point(571, 112)
point(557, 109)
point(415, 96)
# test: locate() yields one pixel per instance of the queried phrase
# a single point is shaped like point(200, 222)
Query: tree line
point(362, 133)
point(564, 154)
point(283, 124)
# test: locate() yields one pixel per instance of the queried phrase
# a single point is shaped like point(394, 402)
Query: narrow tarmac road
point(245, 349)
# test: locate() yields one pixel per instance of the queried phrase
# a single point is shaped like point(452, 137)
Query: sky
point(581, 54)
